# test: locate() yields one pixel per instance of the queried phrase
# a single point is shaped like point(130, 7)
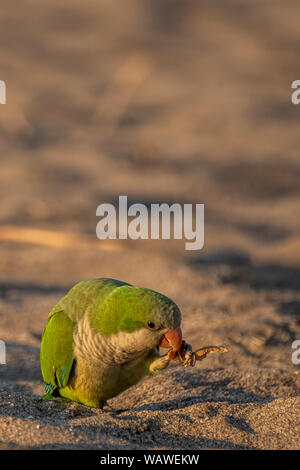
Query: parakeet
point(103, 337)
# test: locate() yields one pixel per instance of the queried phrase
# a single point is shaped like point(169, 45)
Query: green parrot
point(103, 337)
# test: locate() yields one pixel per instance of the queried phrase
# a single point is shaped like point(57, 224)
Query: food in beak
point(171, 339)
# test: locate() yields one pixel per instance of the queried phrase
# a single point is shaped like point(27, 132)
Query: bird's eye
point(151, 325)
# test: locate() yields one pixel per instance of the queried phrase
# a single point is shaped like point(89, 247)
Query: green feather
point(57, 351)
point(84, 295)
point(113, 305)
point(127, 308)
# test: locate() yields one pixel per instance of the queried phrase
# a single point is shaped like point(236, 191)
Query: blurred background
point(163, 101)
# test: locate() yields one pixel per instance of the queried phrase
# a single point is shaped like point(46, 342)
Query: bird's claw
point(190, 359)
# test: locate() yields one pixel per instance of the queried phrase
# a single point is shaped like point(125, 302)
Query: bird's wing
point(57, 351)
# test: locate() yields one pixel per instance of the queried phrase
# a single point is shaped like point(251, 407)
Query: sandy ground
point(164, 102)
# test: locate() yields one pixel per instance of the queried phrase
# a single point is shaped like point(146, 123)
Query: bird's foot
point(159, 364)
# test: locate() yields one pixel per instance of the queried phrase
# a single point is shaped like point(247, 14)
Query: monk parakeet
point(103, 337)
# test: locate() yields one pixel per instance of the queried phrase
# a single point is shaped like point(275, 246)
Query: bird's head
point(151, 317)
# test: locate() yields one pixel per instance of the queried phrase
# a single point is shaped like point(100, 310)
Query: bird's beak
point(171, 339)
